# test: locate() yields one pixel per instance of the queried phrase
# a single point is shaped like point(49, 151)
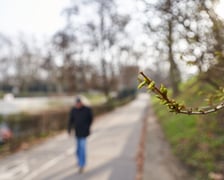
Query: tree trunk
point(174, 73)
point(102, 52)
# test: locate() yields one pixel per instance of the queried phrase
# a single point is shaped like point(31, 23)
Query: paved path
point(112, 149)
point(160, 163)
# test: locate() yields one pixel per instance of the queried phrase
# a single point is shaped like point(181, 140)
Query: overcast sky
point(220, 9)
point(41, 17)
point(37, 17)
point(31, 16)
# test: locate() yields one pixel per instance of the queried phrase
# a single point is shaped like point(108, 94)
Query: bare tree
point(165, 32)
point(63, 41)
point(26, 65)
point(5, 58)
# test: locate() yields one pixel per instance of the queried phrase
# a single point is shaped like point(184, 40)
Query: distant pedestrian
point(80, 120)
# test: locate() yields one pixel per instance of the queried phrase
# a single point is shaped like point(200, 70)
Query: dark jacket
point(81, 120)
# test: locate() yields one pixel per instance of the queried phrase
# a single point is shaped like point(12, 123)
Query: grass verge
point(198, 141)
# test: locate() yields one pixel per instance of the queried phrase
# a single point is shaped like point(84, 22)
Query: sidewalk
point(112, 150)
point(160, 163)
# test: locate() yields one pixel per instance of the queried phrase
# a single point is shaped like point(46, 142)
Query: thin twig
point(177, 108)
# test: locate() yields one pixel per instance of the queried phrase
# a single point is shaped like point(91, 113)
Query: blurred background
point(66, 47)
point(53, 50)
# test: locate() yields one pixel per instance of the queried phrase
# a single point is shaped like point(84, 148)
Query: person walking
point(80, 120)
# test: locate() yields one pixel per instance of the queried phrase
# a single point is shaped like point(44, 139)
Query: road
point(112, 149)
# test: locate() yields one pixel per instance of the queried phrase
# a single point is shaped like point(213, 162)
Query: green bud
point(143, 83)
point(151, 85)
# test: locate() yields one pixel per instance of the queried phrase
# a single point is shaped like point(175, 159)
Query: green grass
point(198, 141)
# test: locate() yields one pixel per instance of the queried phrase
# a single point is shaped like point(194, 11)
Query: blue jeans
point(81, 151)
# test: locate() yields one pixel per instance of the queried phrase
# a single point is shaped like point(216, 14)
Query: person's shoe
point(81, 170)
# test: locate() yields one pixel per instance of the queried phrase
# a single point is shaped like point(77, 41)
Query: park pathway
point(159, 162)
point(112, 150)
